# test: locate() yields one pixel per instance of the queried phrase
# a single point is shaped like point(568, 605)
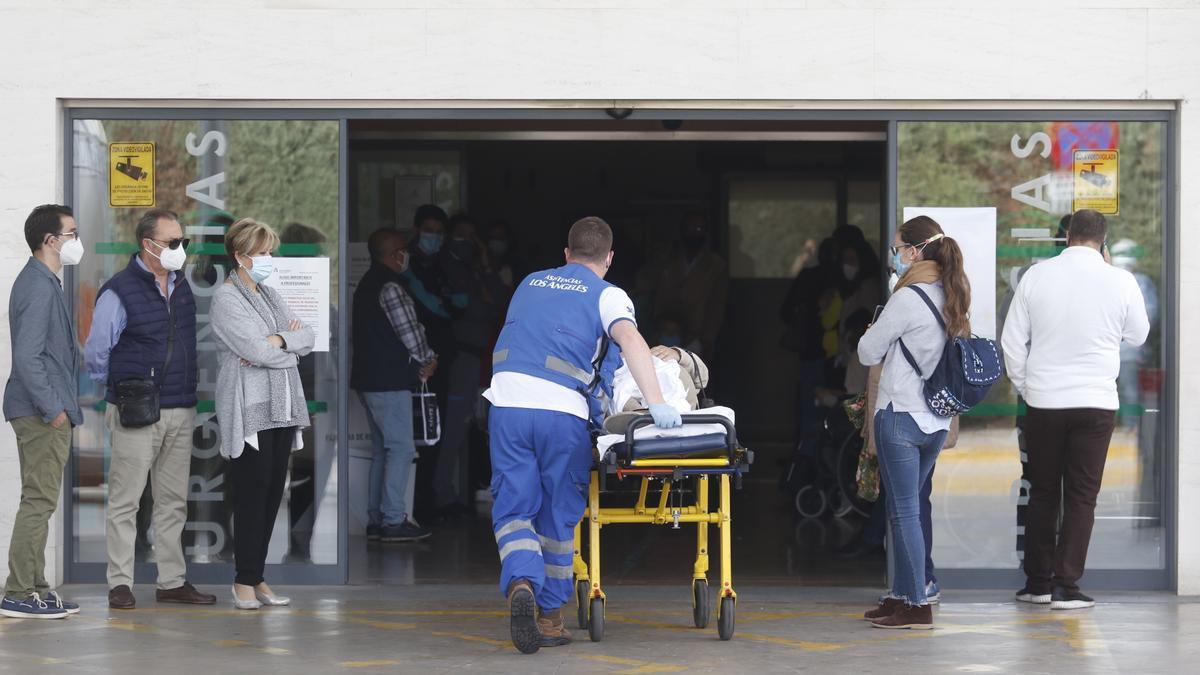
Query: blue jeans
point(390, 415)
point(906, 459)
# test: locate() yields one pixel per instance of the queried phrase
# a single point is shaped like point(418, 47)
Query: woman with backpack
point(929, 306)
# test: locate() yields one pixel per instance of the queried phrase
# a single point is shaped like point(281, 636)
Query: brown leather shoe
point(554, 633)
point(885, 608)
point(522, 617)
point(908, 616)
point(185, 595)
point(121, 597)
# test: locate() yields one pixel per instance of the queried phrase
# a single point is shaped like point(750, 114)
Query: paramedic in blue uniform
point(544, 366)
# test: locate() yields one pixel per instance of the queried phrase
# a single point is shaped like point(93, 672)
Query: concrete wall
point(827, 53)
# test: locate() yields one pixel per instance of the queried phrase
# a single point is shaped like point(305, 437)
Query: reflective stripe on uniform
point(499, 356)
point(519, 545)
point(559, 571)
point(560, 366)
point(513, 526)
point(557, 547)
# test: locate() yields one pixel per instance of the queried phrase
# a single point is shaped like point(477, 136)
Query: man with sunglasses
point(144, 328)
point(41, 403)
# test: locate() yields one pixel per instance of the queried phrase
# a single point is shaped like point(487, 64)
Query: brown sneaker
point(121, 597)
point(185, 595)
point(886, 608)
point(522, 617)
point(554, 632)
point(914, 617)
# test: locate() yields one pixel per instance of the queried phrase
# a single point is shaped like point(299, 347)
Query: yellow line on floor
point(474, 638)
point(806, 645)
point(369, 664)
point(638, 666)
point(273, 651)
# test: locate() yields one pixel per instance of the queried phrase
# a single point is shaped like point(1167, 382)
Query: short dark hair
point(461, 218)
point(590, 240)
point(1088, 225)
point(426, 212)
point(378, 244)
point(148, 223)
point(44, 220)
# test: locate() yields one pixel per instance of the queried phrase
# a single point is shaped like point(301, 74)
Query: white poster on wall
point(303, 283)
point(975, 231)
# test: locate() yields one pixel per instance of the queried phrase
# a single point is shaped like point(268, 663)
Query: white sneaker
point(1024, 595)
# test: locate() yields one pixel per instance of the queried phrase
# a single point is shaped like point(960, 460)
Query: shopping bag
point(427, 422)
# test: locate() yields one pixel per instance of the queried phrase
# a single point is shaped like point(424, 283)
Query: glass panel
point(776, 223)
point(212, 172)
point(1031, 174)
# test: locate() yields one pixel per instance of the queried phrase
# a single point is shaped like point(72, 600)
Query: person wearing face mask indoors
point(41, 403)
point(391, 359)
point(144, 330)
point(695, 285)
point(260, 400)
point(472, 304)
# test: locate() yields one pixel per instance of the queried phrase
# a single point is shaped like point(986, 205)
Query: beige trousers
point(162, 454)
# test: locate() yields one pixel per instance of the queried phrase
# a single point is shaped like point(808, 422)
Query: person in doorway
point(473, 288)
point(260, 400)
point(1133, 358)
point(543, 368)
point(695, 285)
point(41, 404)
point(1062, 350)
point(908, 436)
point(391, 359)
point(144, 327)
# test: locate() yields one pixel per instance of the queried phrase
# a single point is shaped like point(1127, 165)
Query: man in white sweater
point(1062, 341)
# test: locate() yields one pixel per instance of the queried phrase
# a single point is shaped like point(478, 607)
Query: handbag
point(137, 397)
point(866, 475)
point(427, 422)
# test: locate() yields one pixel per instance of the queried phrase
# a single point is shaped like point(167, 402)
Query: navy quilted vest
point(143, 344)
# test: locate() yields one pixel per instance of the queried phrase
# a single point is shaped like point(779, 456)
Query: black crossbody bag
point(137, 397)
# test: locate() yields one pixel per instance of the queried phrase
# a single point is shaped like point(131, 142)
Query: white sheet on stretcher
point(604, 443)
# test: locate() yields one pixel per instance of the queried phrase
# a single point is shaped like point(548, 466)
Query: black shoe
point(1064, 599)
point(406, 531)
point(1026, 595)
point(374, 532)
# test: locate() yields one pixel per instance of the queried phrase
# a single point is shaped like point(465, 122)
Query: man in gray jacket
point(41, 403)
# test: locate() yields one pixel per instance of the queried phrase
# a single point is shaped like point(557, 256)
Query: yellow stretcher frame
point(589, 593)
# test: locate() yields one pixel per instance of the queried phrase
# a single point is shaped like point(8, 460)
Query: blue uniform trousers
point(541, 463)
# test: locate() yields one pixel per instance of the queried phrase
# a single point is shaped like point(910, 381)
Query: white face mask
point(892, 281)
point(850, 272)
point(172, 259)
point(71, 252)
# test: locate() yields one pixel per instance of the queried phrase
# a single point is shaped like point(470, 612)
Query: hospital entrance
point(765, 197)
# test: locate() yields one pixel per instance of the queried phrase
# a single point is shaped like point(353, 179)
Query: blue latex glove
point(665, 416)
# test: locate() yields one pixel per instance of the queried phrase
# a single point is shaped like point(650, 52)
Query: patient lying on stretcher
point(683, 377)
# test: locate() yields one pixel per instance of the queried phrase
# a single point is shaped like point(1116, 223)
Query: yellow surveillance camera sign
point(130, 174)
point(1097, 181)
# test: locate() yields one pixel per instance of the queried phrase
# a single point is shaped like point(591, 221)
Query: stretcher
point(667, 464)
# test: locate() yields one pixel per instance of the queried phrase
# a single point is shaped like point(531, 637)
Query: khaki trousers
point(162, 454)
point(42, 451)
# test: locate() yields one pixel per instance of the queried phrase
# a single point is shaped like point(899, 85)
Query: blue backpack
point(967, 370)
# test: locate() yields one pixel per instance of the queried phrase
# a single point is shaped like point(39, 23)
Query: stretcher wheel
point(581, 600)
point(725, 619)
point(811, 502)
point(596, 620)
point(700, 603)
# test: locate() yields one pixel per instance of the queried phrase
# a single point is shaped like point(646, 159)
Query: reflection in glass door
point(212, 172)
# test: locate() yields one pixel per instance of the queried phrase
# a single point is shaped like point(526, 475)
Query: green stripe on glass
point(207, 248)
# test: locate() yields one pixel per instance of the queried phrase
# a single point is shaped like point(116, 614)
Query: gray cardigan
point(905, 315)
point(44, 354)
point(243, 396)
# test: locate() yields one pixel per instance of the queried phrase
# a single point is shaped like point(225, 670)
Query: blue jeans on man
point(906, 459)
point(390, 414)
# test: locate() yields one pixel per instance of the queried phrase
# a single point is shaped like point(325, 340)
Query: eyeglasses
point(896, 249)
point(74, 234)
point(172, 244)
